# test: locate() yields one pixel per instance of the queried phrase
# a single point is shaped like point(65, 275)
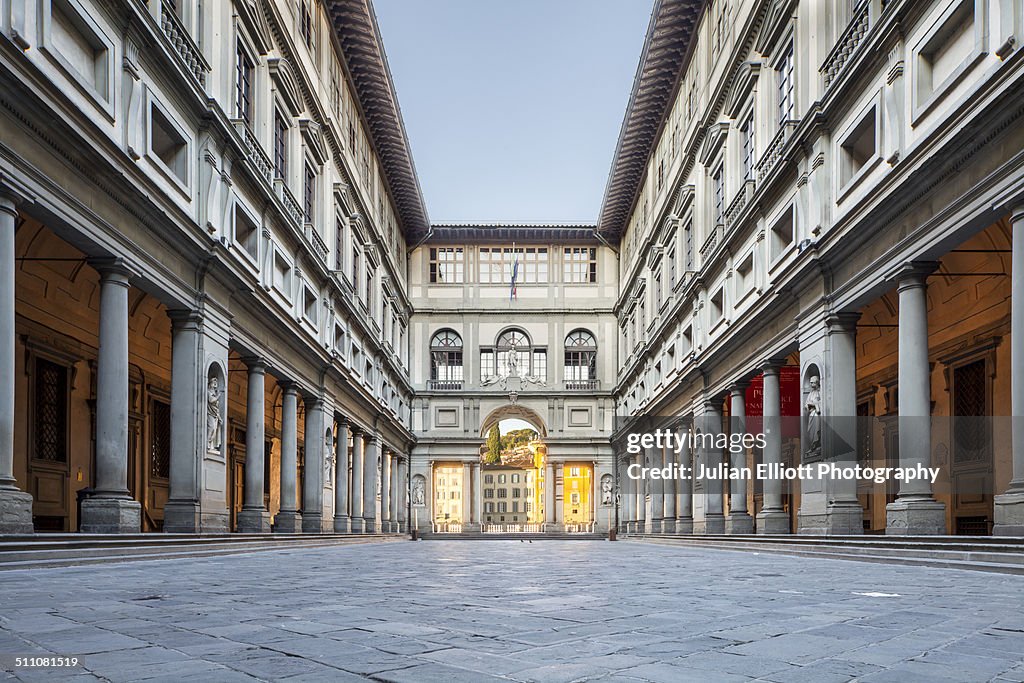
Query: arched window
point(580, 360)
point(513, 348)
point(445, 360)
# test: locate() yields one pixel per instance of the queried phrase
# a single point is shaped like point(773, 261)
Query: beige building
point(223, 305)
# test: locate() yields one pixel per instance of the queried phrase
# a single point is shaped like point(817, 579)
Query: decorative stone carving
point(813, 407)
point(606, 490)
point(214, 418)
point(419, 485)
point(329, 459)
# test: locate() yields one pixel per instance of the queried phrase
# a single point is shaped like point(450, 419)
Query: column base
point(355, 525)
point(342, 524)
point(312, 523)
point(111, 516)
point(253, 521)
point(1008, 509)
point(846, 519)
point(684, 525)
point(668, 526)
point(369, 525)
point(739, 523)
point(15, 511)
point(469, 528)
point(915, 517)
point(714, 525)
point(288, 522)
point(772, 522)
point(181, 517)
point(214, 522)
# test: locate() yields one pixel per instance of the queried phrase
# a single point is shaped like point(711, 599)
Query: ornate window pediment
point(287, 85)
point(713, 141)
point(314, 139)
point(742, 86)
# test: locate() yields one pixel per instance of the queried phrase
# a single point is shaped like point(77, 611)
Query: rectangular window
point(50, 412)
point(718, 198)
point(747, 133)
point(688, 246)
point(169, 146)
point(447, 265)
point(487, 363)
point(540, 363)
point(306, 23)
point(502, 493)
point(497, 264)
point(243, 84)
point(672, 269)
point(308, 192)
point(784, 80)
point(280, 146)
point(339, 244)
point(580, 264)
point(160, 440)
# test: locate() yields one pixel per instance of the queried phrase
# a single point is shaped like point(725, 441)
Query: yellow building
point(448, 493)
point(577, 484)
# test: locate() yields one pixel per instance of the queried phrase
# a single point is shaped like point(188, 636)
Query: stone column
point(640, 498)
point(843, 513)
point(1008, 508)
point(288, 519)
point(402, 500)
point(684, 487)
point(550, 513)
point(657, 493)
point(15, 504)
point(370, 459)
point(111, 510)
point(358, 456)
point(475, 496)
point(385, 491)
point(915, 510)
point(772, 519)
point(188, 436)
point(342, 525)
point(714, 518)
point(624, 496)
point(394, 490)
point(668, 522)
point(313, 482)
point(254, 517)
point(739, 520)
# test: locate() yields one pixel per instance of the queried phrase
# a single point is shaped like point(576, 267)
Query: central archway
point(514, 411)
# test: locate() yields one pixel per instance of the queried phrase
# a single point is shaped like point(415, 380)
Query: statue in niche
point(328, 458)
point(213, 416)
point(418, 492)
point(513, 361)
point(606, 489)
point(813, 407)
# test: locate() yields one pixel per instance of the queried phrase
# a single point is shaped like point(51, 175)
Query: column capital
point(1017, 212)
point(255, 364)
point(355, 430)
point(313, 401)
point(914, 274)
point(185, 318)
point(771, 366)
point(288, 386)
point(737, 388)
point(843, 321)
point(12, 193)
point(112, 269)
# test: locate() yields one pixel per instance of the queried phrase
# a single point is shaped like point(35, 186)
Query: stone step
point(957, 554)
point(513, 537)
point(995, 544)
point(48, 553)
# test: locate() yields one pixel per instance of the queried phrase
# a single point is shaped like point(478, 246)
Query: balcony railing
point(444, 384)
point(447, 527)
point(773, 153)
point(582, 384)
point(256, 156)
point(512, 528)
point(579, 528)
point(319, 246)
point(183, 44)
point(712, 241)
point(291, 205)
point(848, 43)
point(739, 203)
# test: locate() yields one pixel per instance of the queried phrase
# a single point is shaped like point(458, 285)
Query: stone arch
point(516, 411)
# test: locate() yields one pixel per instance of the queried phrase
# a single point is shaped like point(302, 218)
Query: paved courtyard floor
point(497, 610)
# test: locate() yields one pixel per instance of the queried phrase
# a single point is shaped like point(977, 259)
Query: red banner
point(789, 390)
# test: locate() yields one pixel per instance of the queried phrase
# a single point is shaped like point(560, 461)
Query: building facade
point(828, 192)
point(223, 306)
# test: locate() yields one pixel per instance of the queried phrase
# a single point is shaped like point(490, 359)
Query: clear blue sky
point(513, 108)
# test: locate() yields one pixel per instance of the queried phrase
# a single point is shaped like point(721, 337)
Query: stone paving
point(481, 611)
